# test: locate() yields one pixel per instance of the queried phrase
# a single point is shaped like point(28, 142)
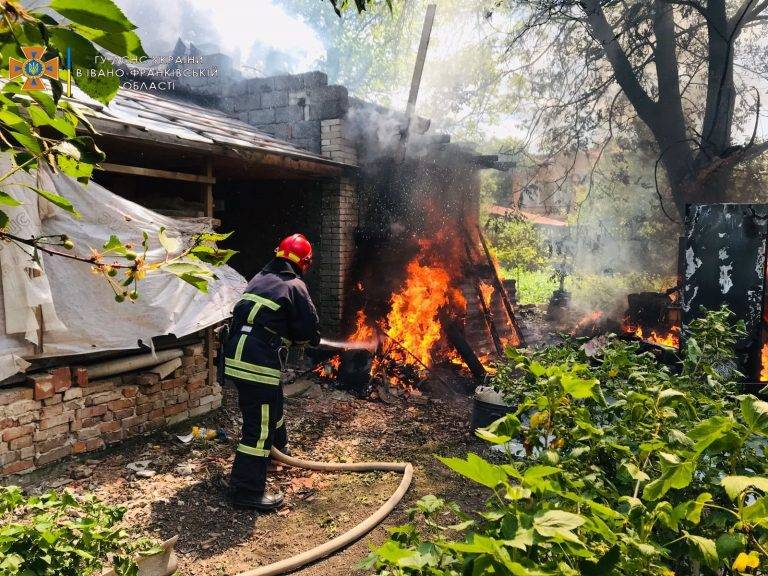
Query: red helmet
point(297, 249)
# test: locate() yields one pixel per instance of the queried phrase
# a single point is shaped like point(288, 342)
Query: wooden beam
point(210, 337)
point(155, 173)
point(418, 70)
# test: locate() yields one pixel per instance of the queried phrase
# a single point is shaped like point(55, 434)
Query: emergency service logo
point(33, 69)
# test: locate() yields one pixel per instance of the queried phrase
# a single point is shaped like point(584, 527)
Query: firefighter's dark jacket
point(275, 310)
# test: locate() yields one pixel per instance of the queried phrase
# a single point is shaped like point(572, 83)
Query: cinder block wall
point(289, 107)
point(61, 412)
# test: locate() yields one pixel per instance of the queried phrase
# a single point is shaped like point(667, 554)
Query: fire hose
point(363, 528)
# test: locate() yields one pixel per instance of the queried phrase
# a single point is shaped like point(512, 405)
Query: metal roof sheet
point(155, 114)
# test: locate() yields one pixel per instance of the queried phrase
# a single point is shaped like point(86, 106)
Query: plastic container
point(488, 407)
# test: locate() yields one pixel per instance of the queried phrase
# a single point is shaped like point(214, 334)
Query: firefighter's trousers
point(263, 427)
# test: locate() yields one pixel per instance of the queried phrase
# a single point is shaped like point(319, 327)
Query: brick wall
point(61, 412)
point(339, 216)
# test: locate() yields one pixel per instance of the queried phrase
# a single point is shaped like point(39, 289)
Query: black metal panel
point(724, 263)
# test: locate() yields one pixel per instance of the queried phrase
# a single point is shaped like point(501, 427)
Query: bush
point(518, 244)
point(612, 465)
point(57, 534)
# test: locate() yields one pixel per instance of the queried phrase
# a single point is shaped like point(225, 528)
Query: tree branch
point(602, 31)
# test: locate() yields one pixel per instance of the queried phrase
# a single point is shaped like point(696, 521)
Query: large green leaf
point(735, 485)
point(576, 386)
point(98, 14)
point(674, 474)
point(706, 548)
point(755, 414)
point(59, 201)
point(558, 525)
point(476, 469)
point(91, 73)
point(126, 44)
point(500, 431)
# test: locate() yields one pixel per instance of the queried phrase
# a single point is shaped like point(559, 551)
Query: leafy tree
point(38, 128)
point(465, 84)
point(517, 244)
point(683, 73)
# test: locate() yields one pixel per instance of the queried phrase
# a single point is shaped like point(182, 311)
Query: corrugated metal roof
point(155, 114)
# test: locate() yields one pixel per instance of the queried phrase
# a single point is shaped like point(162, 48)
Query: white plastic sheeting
point(80, 314)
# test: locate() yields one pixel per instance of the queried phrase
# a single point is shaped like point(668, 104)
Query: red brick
point(88, 433)
point(6, 423)
point(73, 394)
point(16, 467)
point(171, 410)
point(51, 411)
point(18, 432)
point(80, 376)
point(112, 437)
point(143, 408)
point(53, 443)
point(121, 404)
point(43, 385)
point(102, 398)
point(53, 455)
point(201, 362)
point(109, 426)
point(130, 391)
point(172, 383)
point(14, 394)
point(155, 414)
point(124, 413)
point(200, 392)
point(62, 378)
point(53, 421)
point(92, 411)
point(55, 399)
point(94, 444)
point(132, 421)
point(195, 384)
point(20, 443)
point(42, 435)
point(79, 447)
point(22, 407)
point(188, 361)
point(147, 379)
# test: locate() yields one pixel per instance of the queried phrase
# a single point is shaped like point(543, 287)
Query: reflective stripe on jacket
point(275, 310)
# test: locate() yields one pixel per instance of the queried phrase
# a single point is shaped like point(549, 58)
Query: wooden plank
point(155, 173)
point(210, 338)
point(501, 289)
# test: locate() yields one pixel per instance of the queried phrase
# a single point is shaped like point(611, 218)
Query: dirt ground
point(186, 495)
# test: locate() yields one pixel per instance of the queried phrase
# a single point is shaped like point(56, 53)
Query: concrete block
point(274, 99)
point(252, 85)
point(264, 116)
point(315, 79)
point(289, 114)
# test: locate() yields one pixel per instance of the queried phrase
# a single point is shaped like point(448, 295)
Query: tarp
point(78, 308)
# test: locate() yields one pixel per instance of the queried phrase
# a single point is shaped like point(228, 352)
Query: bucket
point(485, 413)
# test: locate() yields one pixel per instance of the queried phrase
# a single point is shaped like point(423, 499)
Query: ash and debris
point(181, 488)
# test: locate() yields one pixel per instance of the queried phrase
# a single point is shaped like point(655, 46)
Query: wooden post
point(210, 338)
point(418, 70)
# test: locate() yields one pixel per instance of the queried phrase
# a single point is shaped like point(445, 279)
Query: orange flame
point(413, 317)
point(671, 338)
point(587, 322)
point(363, 331)
point(486, 291)
point(764, 363)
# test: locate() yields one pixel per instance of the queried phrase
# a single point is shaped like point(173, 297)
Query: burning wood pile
point(423, 323)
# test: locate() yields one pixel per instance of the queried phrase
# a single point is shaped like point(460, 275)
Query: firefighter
point(274, 313)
